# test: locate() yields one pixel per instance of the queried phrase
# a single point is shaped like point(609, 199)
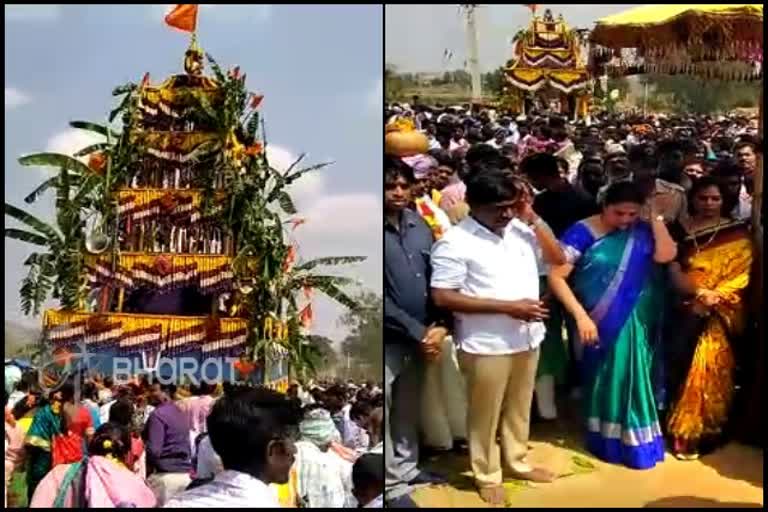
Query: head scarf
point(12, 377)
point(318, 428)
point(422, 165)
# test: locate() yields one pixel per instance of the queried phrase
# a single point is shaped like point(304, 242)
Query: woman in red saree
point(76, 430)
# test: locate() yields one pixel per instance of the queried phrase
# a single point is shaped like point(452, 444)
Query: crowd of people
point(90, 443)
point(536, 256)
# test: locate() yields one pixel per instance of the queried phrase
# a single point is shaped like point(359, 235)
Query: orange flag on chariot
point(306, 316)
point(290, 259)
point(532, 7)
point(298, 222)
point(183, 17)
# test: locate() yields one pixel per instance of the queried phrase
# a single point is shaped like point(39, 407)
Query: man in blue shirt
point(410, 332)
point(166, 435)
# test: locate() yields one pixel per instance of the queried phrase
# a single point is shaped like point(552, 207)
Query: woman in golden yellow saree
point(711, 274)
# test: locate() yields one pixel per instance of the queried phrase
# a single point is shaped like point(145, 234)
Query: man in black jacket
point(410, 333)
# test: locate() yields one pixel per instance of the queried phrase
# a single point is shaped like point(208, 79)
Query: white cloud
point(336, 225)
point(32, 12)
point(350, 215)
point(309, 187)
point(15, 98)
point(70, 142)
point(342, 225)
point(279, 157)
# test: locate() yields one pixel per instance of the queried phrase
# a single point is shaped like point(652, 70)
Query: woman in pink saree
point(100, 480)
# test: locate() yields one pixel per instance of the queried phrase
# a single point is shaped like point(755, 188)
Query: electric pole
point(472, 52)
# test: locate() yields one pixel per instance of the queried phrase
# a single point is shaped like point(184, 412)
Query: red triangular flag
point(290, 259)
point(256, 100)
point(306, 316)
point(183, 17)
point(532, 7)
point(298, 222)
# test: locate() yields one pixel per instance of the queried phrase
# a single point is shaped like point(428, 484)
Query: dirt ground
point(729, 477)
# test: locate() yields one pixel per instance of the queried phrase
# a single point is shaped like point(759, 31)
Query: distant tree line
point(670, 93)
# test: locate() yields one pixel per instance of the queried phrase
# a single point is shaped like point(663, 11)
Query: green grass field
point(444, 94)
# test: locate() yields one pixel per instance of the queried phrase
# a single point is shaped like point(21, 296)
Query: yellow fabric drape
point(174, 96)
point(127, 261)
point(707, 393)
point(144, 196)
point(132, 322)
point(183, 142)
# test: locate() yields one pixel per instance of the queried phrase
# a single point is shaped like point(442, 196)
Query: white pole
point(645, 98)
point(472, 53)
point(348, 365)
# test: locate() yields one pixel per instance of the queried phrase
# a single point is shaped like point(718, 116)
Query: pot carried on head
point(402, 139)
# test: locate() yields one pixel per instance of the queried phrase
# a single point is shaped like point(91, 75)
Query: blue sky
point(418, 35)
point(319, 68)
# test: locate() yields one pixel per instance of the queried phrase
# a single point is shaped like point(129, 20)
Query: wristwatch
point(660, 218)
point(537, 222)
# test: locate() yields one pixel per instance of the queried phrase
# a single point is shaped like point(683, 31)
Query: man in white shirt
point(208, 461)
point(499, 137)
point(324, 480)
point(106, 393)
point(486, 272)
point(251, 434)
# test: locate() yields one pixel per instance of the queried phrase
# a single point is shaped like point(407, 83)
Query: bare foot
point(539, 475)
point(493, 495)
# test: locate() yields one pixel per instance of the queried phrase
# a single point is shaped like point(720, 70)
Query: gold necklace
point(711, 238)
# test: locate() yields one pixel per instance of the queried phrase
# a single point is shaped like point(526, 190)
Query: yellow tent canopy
point(658, 14)
point(681, 24)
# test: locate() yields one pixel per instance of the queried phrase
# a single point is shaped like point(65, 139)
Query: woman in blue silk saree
point(615, 293)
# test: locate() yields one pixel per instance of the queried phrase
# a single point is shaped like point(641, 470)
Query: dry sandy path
point(729, 477)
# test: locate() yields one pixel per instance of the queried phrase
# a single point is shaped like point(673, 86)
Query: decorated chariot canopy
point(548, 54)
point(712, 41)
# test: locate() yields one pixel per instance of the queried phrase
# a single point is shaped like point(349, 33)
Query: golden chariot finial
point(193, 58)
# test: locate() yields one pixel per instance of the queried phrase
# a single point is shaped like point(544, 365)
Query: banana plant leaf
point(41, 189)
point(330, 260)
point(101, 146)
point(26, 236)
point(55, 160)
point(333, 291)
point(286, 203)
point(32, 221)
point(93, 127)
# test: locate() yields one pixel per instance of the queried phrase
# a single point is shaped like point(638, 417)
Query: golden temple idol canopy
point(548, 53)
